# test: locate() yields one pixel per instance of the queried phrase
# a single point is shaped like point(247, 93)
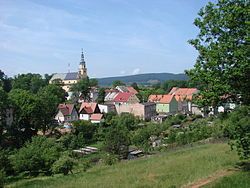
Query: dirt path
point(210, 179)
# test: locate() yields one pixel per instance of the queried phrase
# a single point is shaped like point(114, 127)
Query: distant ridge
point(142, 79)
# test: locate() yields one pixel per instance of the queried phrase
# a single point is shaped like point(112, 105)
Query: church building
point(67, 79)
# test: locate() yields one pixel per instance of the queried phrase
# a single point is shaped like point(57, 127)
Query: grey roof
point(58, 76)
point(71, 76)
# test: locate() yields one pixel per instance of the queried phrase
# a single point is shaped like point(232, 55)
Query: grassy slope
point(165, 170)
point(237, 180)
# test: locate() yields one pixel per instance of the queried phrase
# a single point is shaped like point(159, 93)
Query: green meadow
point(167, 169)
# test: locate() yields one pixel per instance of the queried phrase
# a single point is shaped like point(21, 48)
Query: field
point(169, 169)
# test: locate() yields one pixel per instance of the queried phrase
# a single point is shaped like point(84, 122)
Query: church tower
point(82, 73)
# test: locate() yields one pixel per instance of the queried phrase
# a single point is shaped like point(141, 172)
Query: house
point(142, 110)
point(167, 104)
point(125, 98)
point(66, 113)
point(110, 95)
point(184, 96)
point(96, 118)
point(68, 79)
point(106, 108)
point(129, 89)
point(87, 109)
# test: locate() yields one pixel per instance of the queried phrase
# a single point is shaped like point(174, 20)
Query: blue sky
point(118, 37)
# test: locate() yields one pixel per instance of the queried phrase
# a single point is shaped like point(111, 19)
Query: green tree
point(48, 99)
point(5, 82)
point(30, 82)
point(118, 83)
point(63, 165)
point(37, 155)
point(4, 105)
point(27, 108)
point(117, 140)
point(101, 96)
point(135, 86)
point(238, 130)
point(82, 89)
point(222, 67)
point(93, 82)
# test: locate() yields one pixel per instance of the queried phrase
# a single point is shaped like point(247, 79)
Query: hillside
point(144, 79)
point(168, 169)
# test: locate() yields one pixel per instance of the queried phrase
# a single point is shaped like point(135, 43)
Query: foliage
point(93, 82)
point(162, 170)
point(127, 120)
point(117, 83)
point(101, 96)
point(110, 159)
point(5, 82)
point(5, 164)
point(85, 129)
point(63, 165)
point(2, 178)
point(141, 137)
point(37, 155)
point(29, 82)
point(81, 89)
point(4, 104)
point(222, 67)
point(117, 140)
point(238, 130)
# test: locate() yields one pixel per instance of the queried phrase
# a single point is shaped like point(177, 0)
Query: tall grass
point(237, 180)
point(169, 169)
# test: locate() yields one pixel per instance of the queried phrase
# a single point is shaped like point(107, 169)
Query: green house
point(167, 104)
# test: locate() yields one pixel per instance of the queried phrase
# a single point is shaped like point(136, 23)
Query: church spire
point(82, 73)
point(82, 62)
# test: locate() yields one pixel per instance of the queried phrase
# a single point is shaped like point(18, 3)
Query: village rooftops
point(66, 109)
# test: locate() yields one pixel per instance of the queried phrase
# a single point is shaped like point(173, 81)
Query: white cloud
point(136, 71)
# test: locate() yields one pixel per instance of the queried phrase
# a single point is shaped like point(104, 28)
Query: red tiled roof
point(183, 93)
point(66, 109)
point(88, 108)
point(123, 96)
point(96, 117)
point(132, 90)
point(166, 99)
point(154, 98)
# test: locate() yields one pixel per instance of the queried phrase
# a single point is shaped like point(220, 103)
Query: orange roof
point(154, 98)
point(166, 99)
point(88, 107)
point(96, 117)
point(132, 90)
point(183, 93)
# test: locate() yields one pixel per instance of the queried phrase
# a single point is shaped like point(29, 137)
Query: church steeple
point(82, 62)
point(82, 67)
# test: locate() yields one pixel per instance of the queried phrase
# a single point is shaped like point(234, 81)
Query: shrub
point(117, 140)
point(2, 178)
point(37, 155)
point(63, 165)
point(238, 130)
point(110, 159)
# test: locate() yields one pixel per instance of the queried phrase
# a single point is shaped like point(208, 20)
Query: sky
point(118, 37)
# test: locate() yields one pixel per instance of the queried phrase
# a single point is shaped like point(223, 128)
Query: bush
point(238, 130)
point(110, 159)
point(5, 164)
point(2, 178)
point(37, 155)
point(63, 165)
point(117, 140)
